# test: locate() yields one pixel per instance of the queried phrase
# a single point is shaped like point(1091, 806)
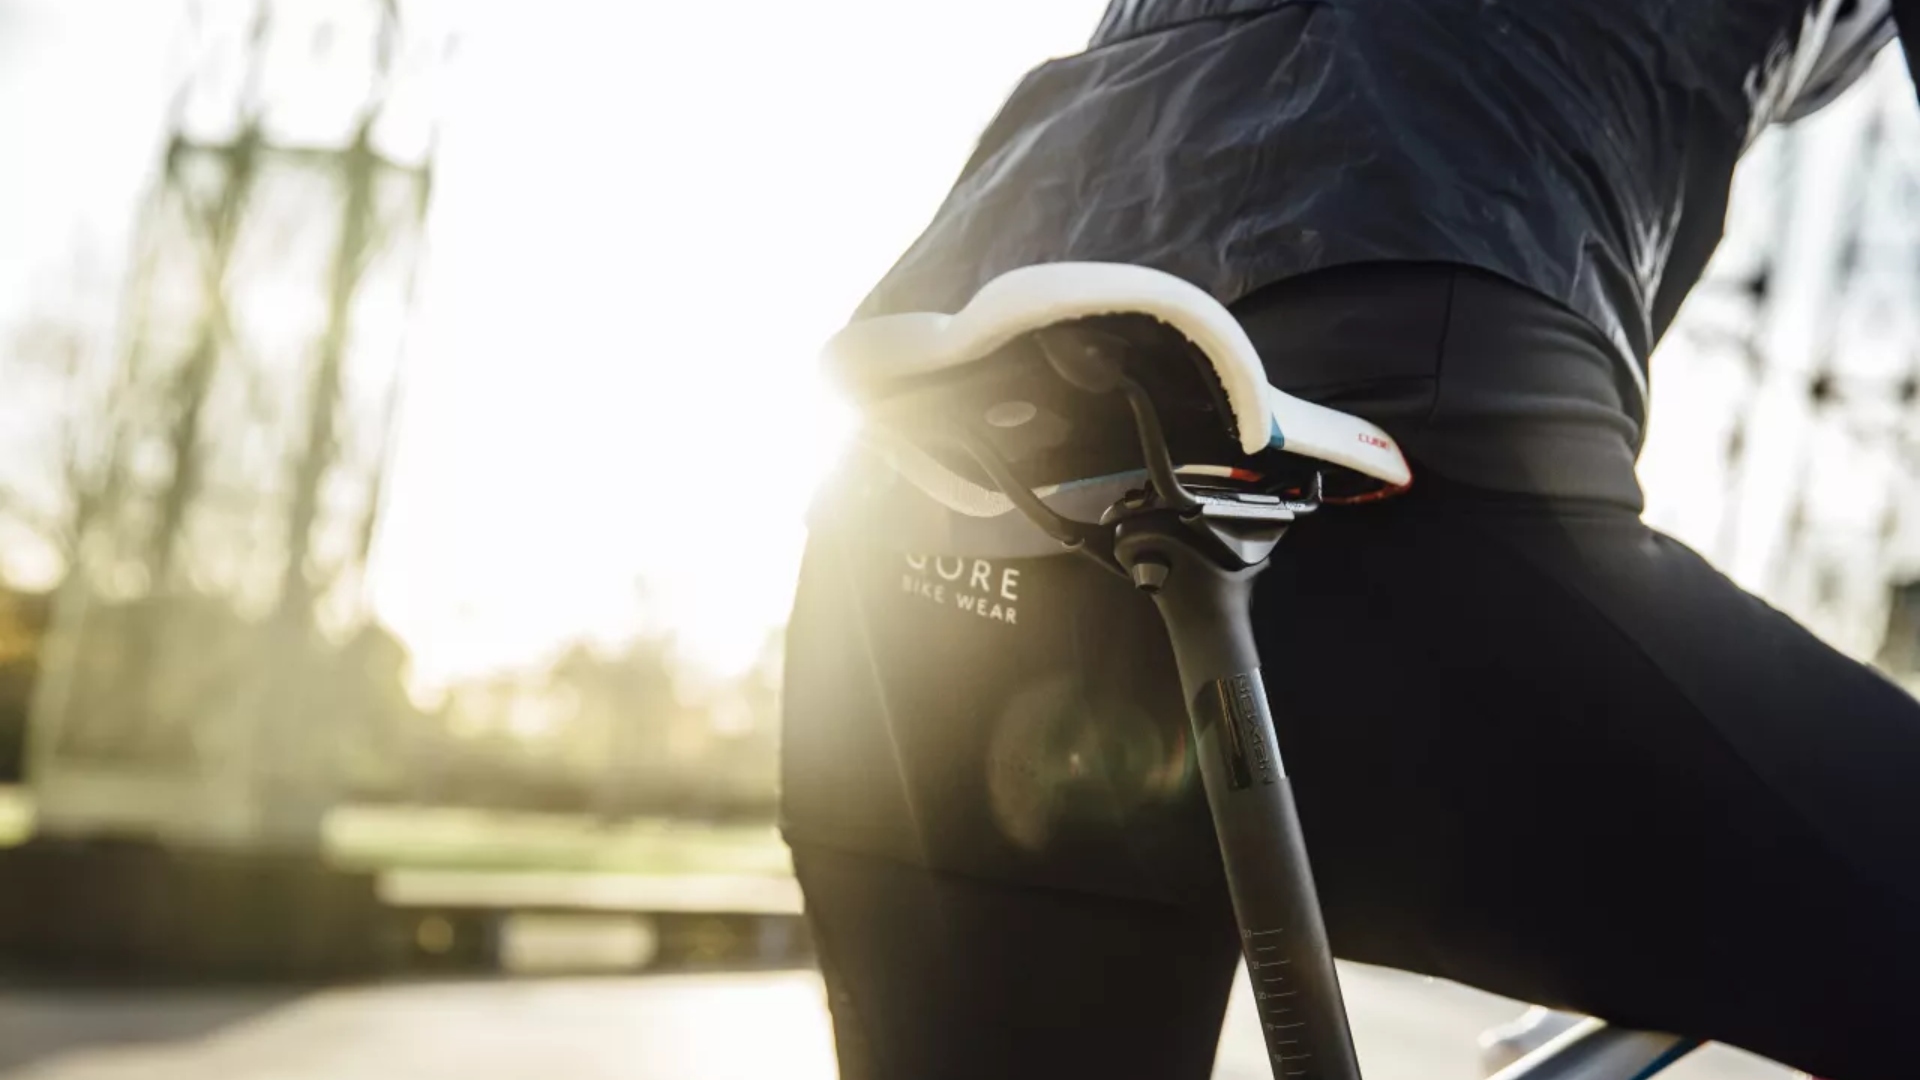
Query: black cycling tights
point(1538, 747)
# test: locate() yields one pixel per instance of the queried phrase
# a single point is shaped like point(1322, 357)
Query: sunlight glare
point(646, 224)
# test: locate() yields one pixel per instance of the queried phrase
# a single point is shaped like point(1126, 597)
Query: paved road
point(667, 1028)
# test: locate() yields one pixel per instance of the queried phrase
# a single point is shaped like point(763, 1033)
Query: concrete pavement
point(732, 1027)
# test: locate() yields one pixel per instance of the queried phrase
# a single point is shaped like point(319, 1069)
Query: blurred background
point(370, 705)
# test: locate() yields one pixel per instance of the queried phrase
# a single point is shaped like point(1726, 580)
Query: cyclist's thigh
point(997, 823)
point(933, 975)
point(1553, 753)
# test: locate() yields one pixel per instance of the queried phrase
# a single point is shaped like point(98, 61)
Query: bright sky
point(646, 220)
point(72, 174)
point(651, 218)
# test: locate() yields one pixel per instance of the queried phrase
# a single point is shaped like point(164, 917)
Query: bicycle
point(1069, 376)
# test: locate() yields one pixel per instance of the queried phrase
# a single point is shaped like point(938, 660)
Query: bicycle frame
point(1593, 1051)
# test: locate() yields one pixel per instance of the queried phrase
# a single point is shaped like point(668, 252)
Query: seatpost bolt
point(1150, 573)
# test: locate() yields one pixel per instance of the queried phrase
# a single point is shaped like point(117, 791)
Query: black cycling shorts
point(1538, 747)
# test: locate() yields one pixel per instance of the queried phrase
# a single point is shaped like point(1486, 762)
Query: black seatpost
point(1200, 567)
point(1197, 553)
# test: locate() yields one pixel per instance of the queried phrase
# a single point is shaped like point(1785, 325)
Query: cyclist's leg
point(1006, 859)
point(1545, 750)
point(944, 975)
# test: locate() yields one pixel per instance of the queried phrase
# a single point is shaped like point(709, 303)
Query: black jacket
point(1580, 148)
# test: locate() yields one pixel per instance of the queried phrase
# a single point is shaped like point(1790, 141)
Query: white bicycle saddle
point(1003, 371)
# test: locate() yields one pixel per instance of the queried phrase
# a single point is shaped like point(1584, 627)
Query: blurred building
point(1793, 455)
point(225, 469)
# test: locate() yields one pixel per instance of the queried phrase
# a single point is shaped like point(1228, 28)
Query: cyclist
point(1468, 221)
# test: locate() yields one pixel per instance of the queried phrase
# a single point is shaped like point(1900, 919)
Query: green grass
point(385, 837)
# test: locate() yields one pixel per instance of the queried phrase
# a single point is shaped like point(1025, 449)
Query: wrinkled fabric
point(1582, 150)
